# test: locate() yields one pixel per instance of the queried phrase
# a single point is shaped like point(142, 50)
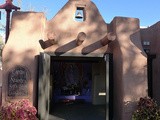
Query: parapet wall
point(19, 54)
point(130, 70)
point(152, 35)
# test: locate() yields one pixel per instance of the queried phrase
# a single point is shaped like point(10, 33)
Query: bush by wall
point(147, 109)
point(21, 110)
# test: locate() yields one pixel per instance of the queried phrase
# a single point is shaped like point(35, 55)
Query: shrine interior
point(78, 83)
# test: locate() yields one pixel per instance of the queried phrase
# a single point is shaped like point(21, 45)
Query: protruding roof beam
point(108, 38)
point(80, 38)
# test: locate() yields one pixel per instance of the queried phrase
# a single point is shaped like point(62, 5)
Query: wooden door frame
point(108, 58)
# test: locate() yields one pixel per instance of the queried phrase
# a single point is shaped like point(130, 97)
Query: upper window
point(79, 15)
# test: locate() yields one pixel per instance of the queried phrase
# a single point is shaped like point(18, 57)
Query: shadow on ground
point(77, 111)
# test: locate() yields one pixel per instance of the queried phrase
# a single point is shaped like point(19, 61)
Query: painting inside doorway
point(72, 81)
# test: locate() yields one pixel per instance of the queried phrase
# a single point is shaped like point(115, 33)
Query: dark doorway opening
point(72, 81)
point(150, 59)
point(78, 88)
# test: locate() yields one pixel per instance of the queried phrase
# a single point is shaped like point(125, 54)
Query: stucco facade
point(31, 34)
point(151, 35)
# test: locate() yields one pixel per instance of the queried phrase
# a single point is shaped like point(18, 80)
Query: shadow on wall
point(65, 48)
point(19, 18)
point(152, 35)
point(134, 39)
point(86, 50)
point(129, 107)
point(26, 60)
point(130, 79)
point(133, 59)
point(66, 28)
point(117, 77)
point(71, 45)
point(135, 74)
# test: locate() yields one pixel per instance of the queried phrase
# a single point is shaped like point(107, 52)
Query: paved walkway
point(78, 111)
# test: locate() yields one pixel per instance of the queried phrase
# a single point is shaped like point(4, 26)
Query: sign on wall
point(18, 82)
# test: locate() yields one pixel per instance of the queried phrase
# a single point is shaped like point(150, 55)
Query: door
point(150, 73)
point(109, 86)
point(44, 86)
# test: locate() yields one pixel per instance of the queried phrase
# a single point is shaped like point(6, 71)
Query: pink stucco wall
point(22, 48)
point(130, 60)
point(152, 35)
point(130, 71)
point(64, 29)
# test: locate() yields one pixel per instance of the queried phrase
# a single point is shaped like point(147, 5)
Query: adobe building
point(77, 56)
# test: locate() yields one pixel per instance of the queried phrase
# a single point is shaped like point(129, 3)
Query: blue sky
point(146, 10)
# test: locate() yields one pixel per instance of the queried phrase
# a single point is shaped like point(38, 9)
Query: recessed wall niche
point(80, 14)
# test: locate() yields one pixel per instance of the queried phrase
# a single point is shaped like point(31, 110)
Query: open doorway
point(78, 88)
point(75, 88)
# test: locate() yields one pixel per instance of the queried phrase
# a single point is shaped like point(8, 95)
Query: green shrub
point(147, 109)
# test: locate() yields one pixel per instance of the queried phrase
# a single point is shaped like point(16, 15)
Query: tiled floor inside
point(77, 111)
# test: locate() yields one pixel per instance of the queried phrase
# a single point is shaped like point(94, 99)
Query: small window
point(79, 15)
point(146, 43)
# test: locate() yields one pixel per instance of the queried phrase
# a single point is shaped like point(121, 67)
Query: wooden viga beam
point(108, 38)
point(80, 38)
point(49, 42)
